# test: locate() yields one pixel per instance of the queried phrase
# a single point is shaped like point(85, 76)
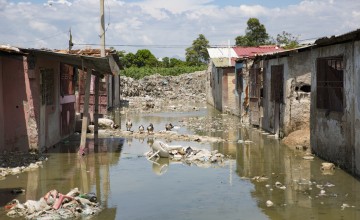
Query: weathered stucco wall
point(32, 84)
point(332, 133)
point(15, 130)
point(1, 109)
point(295, 111)
point(209, 84)
point(297, 92)
point(356, 98)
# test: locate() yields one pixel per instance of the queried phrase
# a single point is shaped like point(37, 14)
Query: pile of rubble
point(155, 91)
point(187, 155)
point(158, 86)
point(55, 205)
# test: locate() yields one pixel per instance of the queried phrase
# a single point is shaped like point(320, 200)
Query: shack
point(37, 95)
point(335, 100)
point(279, 91)
point(246, 78)
point(221, 80)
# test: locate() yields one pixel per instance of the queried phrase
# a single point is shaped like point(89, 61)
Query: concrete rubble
point(152, 93)
point(55, 205)
point(187, 155)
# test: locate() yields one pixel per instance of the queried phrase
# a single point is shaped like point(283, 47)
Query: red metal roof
point(253, 51)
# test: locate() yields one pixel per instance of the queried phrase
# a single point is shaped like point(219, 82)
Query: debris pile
point(55, 205)
point(158, 86)
point(187, 155)
point(153, 93)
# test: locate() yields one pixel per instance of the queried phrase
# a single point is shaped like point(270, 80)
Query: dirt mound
point(298, 139)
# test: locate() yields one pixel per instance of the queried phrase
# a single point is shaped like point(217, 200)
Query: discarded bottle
point(89, 196)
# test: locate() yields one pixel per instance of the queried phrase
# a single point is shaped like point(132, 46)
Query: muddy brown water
point(130, 187)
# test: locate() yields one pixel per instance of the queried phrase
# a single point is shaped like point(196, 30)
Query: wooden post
point(85, 113)
point(96, 114)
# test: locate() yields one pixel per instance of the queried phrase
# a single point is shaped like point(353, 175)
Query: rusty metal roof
point(109, 64)
point(350, 36)
point(253, 51)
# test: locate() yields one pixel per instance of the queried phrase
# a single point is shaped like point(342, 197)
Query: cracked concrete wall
point(209, 84)
point(356, 98)
point(334, 135)
point(214, 86)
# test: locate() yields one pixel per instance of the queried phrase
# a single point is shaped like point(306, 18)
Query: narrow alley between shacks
point(257, 179)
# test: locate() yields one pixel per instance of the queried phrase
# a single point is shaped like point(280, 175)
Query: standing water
point(260, 179)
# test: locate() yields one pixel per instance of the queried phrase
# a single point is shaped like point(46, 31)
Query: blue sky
point(45, 23)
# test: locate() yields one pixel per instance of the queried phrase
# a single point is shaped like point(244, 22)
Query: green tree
point(287, 40)
point(166, 62)
point(197, 54)
point(176, 62)
point(129, 60)
point(145, 58)
point(255, 34)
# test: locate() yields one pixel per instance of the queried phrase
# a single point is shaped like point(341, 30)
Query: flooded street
point(261, 179)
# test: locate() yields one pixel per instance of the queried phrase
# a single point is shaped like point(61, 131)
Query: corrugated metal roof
point(105, 65)
point(223, 62)
point(253, 51)
point(349, 36)
point(221, 52)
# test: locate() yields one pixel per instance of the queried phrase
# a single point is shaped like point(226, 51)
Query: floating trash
point(269, 203)
point(186, 155)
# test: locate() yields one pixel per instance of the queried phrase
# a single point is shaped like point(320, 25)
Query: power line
point(148, 45)
point(48, 37)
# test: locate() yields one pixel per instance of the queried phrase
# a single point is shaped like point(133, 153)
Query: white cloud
point(166, 22)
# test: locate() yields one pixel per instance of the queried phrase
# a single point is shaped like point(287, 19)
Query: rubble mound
point(55, 205)
point(190, 85)
point(298, 139)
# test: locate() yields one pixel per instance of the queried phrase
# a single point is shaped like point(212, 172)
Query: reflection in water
point(65, 170)
point(150, 141)
point(160, 165)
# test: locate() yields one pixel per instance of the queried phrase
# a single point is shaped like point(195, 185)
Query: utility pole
point(102, 28)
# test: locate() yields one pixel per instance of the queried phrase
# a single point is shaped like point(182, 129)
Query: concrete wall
point(356, 98)
point(2, 140)
point(14, 95)
point(333, 134)
point(32, 114)
point(209, 86)
point(295, 111)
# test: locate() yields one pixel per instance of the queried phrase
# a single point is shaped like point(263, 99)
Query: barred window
point(330, 84)
point(47, 86)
